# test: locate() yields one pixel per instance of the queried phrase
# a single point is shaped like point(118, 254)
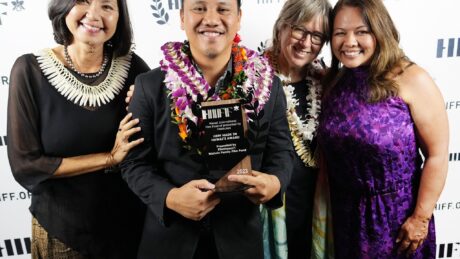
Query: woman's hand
point(122, 144)
point(412, 234)
point(129, 95)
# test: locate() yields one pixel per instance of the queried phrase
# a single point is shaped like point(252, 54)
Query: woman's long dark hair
point(387, 57)
point(121, 41)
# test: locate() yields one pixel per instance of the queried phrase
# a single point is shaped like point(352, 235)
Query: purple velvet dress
point(374, 170)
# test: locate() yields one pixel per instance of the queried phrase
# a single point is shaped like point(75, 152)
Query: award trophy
point(226, 145)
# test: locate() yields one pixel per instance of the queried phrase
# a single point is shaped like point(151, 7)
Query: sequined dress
point(374, 170)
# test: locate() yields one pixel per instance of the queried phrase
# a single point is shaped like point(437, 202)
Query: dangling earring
point(109, 44)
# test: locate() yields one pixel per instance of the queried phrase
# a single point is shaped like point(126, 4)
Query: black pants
point(299, 208)
point(206, 248)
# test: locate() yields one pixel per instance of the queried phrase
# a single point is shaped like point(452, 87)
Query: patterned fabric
point(46, 247)
point(322, 240)
point(374, 170)
point(274, 232)
point(288, 230)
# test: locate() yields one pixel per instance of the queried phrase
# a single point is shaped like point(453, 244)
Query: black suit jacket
point(161, 163)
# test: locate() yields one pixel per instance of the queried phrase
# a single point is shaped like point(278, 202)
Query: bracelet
point(111, 165)
point(109, 160)
point(423, 219)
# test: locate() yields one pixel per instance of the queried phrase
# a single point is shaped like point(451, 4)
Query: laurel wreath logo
point(262, 47)
point(2, 12)
point(159, 12)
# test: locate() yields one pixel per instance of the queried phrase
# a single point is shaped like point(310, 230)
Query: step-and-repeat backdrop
point(430, 35)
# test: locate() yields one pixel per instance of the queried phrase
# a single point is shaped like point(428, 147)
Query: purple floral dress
point(374, 170)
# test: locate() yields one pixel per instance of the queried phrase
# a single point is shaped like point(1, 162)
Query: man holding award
point(216, 144)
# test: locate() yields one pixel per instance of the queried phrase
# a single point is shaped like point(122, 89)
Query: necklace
point(302, 130)
point(251, 82)
point(68, 85)
point(101, 70)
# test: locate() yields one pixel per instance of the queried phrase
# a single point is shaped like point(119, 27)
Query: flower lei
point(302, 131)
point(252, 80)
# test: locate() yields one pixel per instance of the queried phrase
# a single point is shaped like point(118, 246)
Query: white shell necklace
point(78, 92)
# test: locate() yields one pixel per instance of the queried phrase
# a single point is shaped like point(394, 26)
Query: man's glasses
point(300, 33)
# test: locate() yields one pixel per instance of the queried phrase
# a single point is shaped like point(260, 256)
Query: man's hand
point(266, 186)
point(193, 200)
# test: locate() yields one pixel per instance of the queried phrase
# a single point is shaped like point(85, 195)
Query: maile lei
point(251, 82)
point(302, 130)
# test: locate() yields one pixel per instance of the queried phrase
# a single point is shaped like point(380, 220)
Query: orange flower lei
point(239, 58)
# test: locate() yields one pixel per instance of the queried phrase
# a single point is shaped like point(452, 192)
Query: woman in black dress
point(67, 131)
point(299, 34)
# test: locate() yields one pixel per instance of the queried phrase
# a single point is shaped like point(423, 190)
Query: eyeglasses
point(300, 33)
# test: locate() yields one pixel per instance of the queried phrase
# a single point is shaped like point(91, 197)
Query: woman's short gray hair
point(300, 11)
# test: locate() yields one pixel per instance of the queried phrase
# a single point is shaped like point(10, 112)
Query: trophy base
point(242, 168)
point(232, 188)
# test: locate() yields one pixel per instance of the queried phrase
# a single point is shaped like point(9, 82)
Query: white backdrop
point(430, 36)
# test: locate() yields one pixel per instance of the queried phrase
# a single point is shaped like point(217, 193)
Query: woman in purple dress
point(379, 110)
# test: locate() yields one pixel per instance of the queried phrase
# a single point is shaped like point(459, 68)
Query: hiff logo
point(15, 196)
point(160, 14)
point(16, 246)
point(452, 105)
point(174, 4)
point(4, 80)
point(450, 47)
point(267, 1)
point(2, 13)
point(447, 206)
point(17, 6)
point(454, 157)
point(3, 141)
point(449, 250)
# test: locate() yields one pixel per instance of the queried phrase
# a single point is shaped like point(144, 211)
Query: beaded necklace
point(86, 75)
